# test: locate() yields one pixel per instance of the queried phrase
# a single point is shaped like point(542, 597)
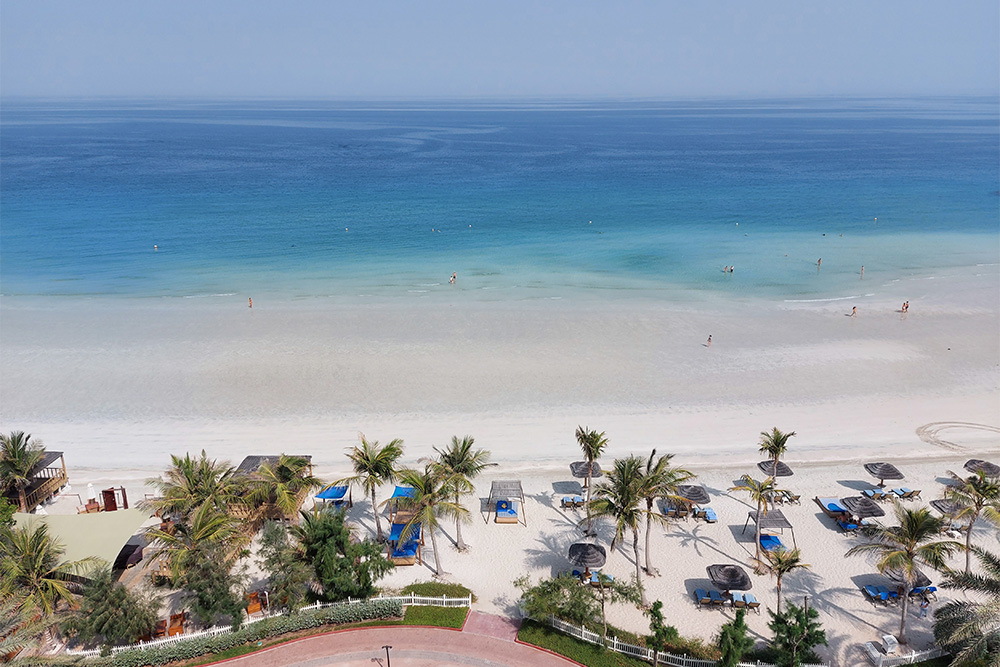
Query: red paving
point(411, 647)
point(500, 627)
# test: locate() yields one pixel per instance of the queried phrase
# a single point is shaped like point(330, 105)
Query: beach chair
point(717, 599)
point(887, 595)
point(571, 502)
point(752, 602)
point(506, 512)
point(710, 515)
point(682, 512)
point(698, 513)
point(160, 629)
point(703, 598)
point(831, 507)
point(873, 595)
point(407, 554)
point(670, 512)
point(912, 494)
point(771, 543)
point(848, 526)
point(875, 494)
point(791, 498)
point(253, 604)
point(924, 591)
point(176, 626)
point(738, 601)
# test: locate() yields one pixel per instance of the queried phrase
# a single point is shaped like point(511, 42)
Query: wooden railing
point(54, 478)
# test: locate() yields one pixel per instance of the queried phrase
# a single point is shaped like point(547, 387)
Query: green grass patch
point(435, 589)
point(440, 617)
point(543, 636)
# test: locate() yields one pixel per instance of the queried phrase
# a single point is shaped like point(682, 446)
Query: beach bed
point(831, 507)
point(506, 512)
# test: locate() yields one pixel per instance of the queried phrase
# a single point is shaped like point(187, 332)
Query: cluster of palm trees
point(438, 487)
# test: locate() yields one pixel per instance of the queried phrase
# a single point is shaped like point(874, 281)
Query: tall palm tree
point(374, 465)
point(592, 443)
point(460, 464)
point(975, 496)
point(760, 492)
point(971, 630)
point(619, 499)
point(282, 484)
point(783, 561)
point(18, 458)
point(207, 533)
point(659, 480)
point(775, 443)
point(32, 569)
point(901, 549)
point(432, 498)
point(191, 483)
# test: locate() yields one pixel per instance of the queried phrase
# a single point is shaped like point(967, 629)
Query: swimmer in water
point(251, 301)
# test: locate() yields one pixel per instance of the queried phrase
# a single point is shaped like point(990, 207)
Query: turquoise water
point(523, 201)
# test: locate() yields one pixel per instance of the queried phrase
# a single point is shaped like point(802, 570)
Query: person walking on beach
point(906, 306)
point(924, 605)
point(251, 301)
point(709, 343)
point(854, 311)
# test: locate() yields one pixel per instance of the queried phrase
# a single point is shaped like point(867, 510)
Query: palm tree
point(431, 499)
point(901, 549)
point(659, 480)
point(32, 569)
point(207, 533)
point(373, 466)
point(18, 458)
point(761, 493)
point(975, 496)
point(619, 499)
point(592, 443)
point(971, 630)
point(460, 464)
point(782, 562)
point(774, 444)
point(282, 484)
point(191, 483)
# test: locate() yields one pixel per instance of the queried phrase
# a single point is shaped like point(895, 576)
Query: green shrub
point(435, 589)
point(254, 632)
point(543, 636)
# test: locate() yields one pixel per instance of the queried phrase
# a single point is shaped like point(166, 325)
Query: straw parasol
point(579, 469)
point(883, 471)
point(946, 507)
point(985, 467)
point(696, 493)
point(896, 576)
point(587, 555)
point(862, 507)
point(729, 577)
point(771, 470)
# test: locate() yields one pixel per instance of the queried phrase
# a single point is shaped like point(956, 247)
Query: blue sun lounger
point(847, 526)
point(703, 598)
point(752, 602)
point(771, 543)
point(717, 599)
point(831, 507)
point(506, 512)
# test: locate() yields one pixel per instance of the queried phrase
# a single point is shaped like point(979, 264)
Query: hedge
point(254, 632)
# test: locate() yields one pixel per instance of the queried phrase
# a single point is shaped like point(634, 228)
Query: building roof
point(252, 464)
point(101, 535)
point(48, 458)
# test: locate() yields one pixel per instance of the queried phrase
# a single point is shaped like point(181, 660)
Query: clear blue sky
point(467, 48)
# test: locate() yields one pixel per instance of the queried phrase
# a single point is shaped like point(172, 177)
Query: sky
point(511, 49)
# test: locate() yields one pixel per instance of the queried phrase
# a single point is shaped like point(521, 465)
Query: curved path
point(411, 647)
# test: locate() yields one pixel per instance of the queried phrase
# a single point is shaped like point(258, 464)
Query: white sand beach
point(120, 386)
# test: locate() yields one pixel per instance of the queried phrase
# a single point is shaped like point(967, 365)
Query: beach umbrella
point(91, 493)
point(985, 467)
point(579, 469)
point(729, 577)
point(587, 555)
point(896, 576)
point(946, 507)
point(883, 471)
point(696, 493)
point(862, 507)
point(771, 470)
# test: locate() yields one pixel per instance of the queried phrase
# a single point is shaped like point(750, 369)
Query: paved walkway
point(489, 625)
point(411, 647)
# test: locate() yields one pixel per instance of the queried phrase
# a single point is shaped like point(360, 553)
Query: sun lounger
point(771, 543)
point(873, 595)
point(160, 630)
point(911, 494)
point(682, 512)
point(848, 526)
point(597, 577)
point(176, 626)
point(752, 602)
point(831, 507)
point(887, 595)
point(792, 498)
point(875, 494)
point(506, 512)
point(703, 598)
point(717, 599)
point(710, 515)
point(572, 502)
point(408, 554)
point(670, 512)
point(925, 591)
point(738, 601)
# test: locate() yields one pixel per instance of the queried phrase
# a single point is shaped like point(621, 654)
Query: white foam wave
point(836, 298)
point(207, 296)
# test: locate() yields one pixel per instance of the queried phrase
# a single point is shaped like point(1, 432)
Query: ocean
point(381, 202)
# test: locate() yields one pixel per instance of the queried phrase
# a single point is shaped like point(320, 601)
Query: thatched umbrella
point(729, 577)
point(771, 470)
point(946, 507)
point(985, 467)
point(896, 576)
point(587, 555)
point(696, 493)
point(883, 471)
point(862, 507)
point(579, 469)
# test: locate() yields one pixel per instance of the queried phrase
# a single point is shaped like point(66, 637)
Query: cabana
point(47, 478)
point(408, 553)
point(985, 467)
point(883, 471)
point(393, 502)
point(335, 496)
point(266, 509)
point(773, 520)
point(509, 494)
point(771, 470)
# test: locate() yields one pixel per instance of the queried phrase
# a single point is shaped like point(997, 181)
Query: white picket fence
point(644, 653)
point(879, 659)
point(407, 600)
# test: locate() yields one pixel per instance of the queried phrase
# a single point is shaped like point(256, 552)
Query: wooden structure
point(47, 477)
point(506, 491)
point(258, 514)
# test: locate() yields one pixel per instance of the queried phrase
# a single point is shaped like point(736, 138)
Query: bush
point(435, 589)
point(270, 627)
point(537, 634)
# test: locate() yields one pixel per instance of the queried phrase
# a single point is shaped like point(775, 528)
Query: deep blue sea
point(299, 200)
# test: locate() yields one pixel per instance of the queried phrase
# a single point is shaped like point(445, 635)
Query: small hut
point(47, 478)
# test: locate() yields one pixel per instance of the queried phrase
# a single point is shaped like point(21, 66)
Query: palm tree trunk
point(378, 524)
point(757, 531)
point(22, 499)
point(649, 529)
point(902, 619)
point(968, 545)
point(779, 593)
point(604, 618)
point(590, 521)
point(638, 575)
point(437, 554)
point(459, 542)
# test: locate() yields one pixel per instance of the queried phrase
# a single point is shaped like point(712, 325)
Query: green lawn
point(435, 589)
point(439, 617)
point(586, 654)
